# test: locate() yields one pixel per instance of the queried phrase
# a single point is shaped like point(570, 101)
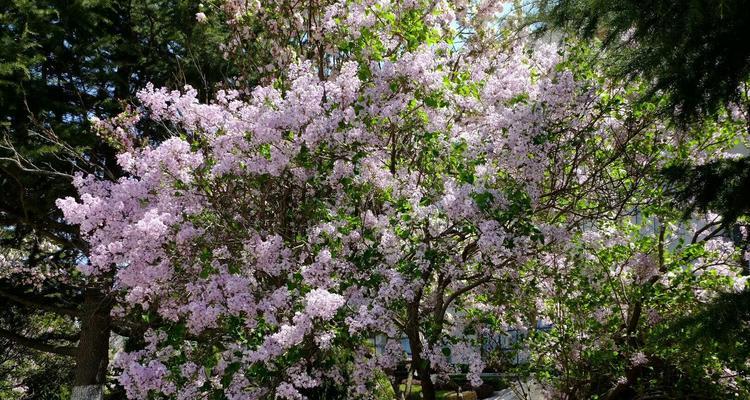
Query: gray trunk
point(92, 357)
point(89, 392)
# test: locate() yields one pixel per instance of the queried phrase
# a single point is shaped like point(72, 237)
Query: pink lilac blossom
point(320, 303)
point(638, 359)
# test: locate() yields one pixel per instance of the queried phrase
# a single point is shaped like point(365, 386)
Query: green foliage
point(721, 186)
point(607, 313)
point(27, 374)
point(695, 51)
point(694, 58)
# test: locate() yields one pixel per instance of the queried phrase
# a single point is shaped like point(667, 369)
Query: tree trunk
point(419, 364)
point(92, 357)
point(428, 388)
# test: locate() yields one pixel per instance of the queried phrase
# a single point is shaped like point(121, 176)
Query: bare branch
point(35, 344)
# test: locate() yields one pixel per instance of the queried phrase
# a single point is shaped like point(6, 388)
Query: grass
point(416, 393)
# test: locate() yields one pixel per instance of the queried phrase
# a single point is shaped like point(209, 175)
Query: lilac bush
point(406, 170)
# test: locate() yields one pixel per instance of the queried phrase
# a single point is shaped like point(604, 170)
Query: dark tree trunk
point(428, 388)
point(92, 357)
point(419, 364)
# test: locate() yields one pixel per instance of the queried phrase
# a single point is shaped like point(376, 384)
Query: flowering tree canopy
point(406, 169)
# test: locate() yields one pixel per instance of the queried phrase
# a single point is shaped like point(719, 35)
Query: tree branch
point(35, 344)
point(39, 303)
point(463, 290)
